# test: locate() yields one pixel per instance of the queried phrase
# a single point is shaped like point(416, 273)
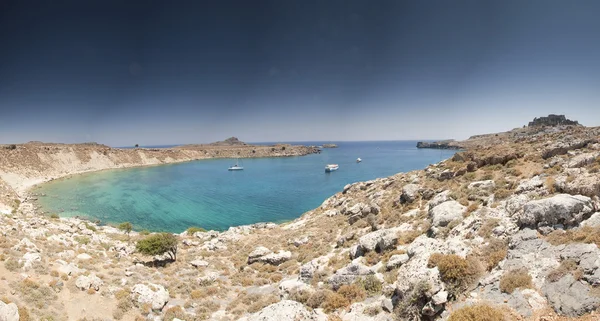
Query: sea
point(205, 194)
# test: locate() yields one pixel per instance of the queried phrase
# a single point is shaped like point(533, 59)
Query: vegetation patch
point(565, 267)
point(479, 312)
point(456, 272)
point(412, 303)
point(515, 279)
point(494, 252)
point(585, 234)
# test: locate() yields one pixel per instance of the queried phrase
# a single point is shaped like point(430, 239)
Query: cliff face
point(506, 229)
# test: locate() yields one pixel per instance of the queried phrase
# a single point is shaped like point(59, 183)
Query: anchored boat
point(236, 167)
point(331, 168)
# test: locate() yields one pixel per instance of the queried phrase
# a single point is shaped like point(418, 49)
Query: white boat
point(358, 160)
point(236, 167)
point(331, 167)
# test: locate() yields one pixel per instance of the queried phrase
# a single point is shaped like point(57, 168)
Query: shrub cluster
point(456, 272)
point(514, 279)
point(480, 312)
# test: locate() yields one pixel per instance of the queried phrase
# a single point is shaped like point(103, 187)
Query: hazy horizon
point(124, 73)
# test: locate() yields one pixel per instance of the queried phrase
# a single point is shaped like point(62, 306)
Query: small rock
point(84, 256)
point(199, 263)
point(387, 306)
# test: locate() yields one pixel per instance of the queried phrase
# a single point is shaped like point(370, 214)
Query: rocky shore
point(506, 230)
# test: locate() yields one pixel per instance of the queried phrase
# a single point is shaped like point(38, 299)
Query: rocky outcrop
point(152, 294)
point(560, 209)
point(570, 297)
point(88, 282)
point(349, 274)
point(441, 215)
point(446, 144)
point(9, 312)
point(562, 147)
point(285, 310)
point(264, 255)
point(552, 120)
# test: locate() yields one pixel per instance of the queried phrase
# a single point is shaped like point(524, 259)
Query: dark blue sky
point(161, 72)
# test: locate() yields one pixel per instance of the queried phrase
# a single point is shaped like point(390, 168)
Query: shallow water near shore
point(204, 193)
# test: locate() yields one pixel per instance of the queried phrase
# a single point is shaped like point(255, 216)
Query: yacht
point(331, 168)
point(358, 160)
point(236, 167)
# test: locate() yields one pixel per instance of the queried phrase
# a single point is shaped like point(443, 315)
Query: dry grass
point(512, 280)
point(487, 227)
point(550, 185)
point(352, 293)
point(480, 312)
point(565, 267)
point(585, 234)
point(370, 284)
point(494, 252)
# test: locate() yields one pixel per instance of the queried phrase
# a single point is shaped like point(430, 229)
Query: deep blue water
point(204, 193)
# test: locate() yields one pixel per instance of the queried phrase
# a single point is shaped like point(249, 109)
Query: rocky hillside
point(504, 231)
point(24, 165)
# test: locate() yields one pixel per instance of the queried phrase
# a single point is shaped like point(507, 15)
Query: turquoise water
point(204, 193)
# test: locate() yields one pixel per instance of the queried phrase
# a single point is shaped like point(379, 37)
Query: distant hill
point(231, 141)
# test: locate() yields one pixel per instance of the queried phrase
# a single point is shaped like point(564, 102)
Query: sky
point(175, 72)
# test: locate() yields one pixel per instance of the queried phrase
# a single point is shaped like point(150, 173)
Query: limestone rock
point(9, 312)
point(530, 184)
point(487, 185)
point(593, 221)
point(153, 294)
point(276, 258)
point(307, 270)
point(379, 240)
point(349, 274)
point(26, 244)
point(199, 263)
point(29, 259)
point(559, 209)
point(285, 310)
point(68, 268)
point(570, 297)
point(396, 261)
point(84, 256)
point(288, 286)
point(409, 193)
point(446, 212)
point(85, 282)
point(257, 253)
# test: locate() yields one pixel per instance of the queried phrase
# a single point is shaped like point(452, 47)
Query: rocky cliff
point(506, 230)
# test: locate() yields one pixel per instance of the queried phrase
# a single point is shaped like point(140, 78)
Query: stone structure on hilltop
point(552, 120)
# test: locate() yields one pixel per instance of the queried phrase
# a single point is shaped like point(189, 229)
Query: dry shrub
point(301, 296)
point(585, 234)
point(479, 312)
point(456, 272)
point(512, 280)
point(23, 314)
point(372, 310)
point(370, 284)
point(494, 252)
point(565, 267)
point(549, 184)
point(502, 193)
point(175, 312)
point(372, 258)
point(334, 301)
point(487, 227)
point(409, 236)
point(334, 317)
point(12, 265)
point(472, 208)
point(317, 298)
point(352, 293)
point(412, 303)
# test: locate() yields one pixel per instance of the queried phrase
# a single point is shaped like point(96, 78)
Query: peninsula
point(507, 228)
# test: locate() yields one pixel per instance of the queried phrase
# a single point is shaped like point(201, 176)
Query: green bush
point(158, 244)
point(126, 227)
point(194, 229)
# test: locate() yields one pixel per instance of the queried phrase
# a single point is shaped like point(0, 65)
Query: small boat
point(358, 160)
point(331, 168)
point(236, 167)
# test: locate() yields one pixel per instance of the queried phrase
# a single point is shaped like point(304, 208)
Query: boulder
point(582, 160)
point(446, 212)
point(257, 253)
point(276, 258)
point(199, 263)
point(29, 259)
point(487, 185)
point(379, 240)
point(570, 297)
point(396, 261)
point(560, 209)
point(530, 185)
point(84, 256)
point(86, 282)
point(439, 199)
point(68, 268)
point(349, 274)
point(288, 286)
point(209, 278)
point(285, 310)
point(593, 221)
point(26, 244)
point(409, 193)
point(153, 294)
point(9, 312)
point(307, 270)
